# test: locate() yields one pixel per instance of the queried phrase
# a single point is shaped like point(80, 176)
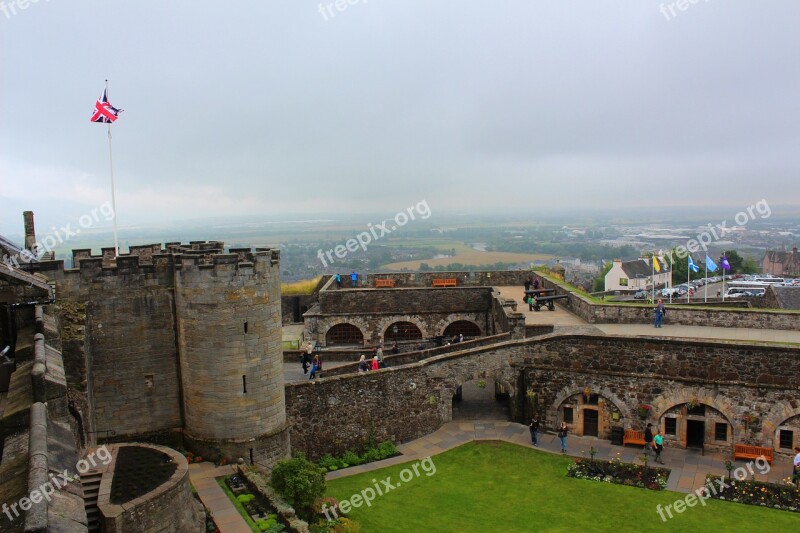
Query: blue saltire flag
point(724, 263)
point(692, 266)
point(711, 265)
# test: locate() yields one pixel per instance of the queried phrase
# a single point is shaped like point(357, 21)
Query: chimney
point(30, 232)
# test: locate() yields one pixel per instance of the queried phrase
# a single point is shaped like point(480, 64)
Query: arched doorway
point(462, 327)
point(402, 331)
point(480, 399)
point(344, 334)
point(696, 425)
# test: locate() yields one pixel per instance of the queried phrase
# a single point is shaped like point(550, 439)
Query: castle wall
point(229, 338)
point(595, 313)
point(407, 402)
point(121, 341)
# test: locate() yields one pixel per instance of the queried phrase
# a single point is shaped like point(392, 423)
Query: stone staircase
point(91, 487)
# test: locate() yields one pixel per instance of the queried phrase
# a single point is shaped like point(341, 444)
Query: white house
point(637, 275)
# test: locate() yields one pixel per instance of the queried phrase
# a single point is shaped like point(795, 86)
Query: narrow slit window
point(244, 384)
point(245, 327)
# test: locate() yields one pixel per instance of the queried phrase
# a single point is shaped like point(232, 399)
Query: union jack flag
point(104, 112)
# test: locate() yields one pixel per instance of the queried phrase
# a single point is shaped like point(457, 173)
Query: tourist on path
point(658, 446)
point(659, 313)
point(562, 434)
point(316, 366)
point(648, 438)
point(534, 429)
point(306, 358)
point(796, 466)
point(338, 280)
point(363, 366)
point(375, 364)
point(379, 355)
point(527, 285)
point(536, 283)
point(354, 278)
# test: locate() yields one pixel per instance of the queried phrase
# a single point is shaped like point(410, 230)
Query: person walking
point(658, 446)
point(534, 429)
point(354, 278)
point(648, 438)
point(375, 364)
point(379, 355)
point(562, 434)
point(363, 366)
point(536, 283)
point(796, 466)
point(338, 280)
point(527, 285)
point(316, 366)
point(659, 313)
point(306, 358)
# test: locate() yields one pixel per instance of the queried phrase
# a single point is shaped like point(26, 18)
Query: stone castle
point(180, 345)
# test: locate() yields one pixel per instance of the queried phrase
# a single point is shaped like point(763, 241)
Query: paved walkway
point(689, 467)
point(203, 477)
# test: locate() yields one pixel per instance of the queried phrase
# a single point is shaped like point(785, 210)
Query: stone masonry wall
point(121, 337)
point(229, 338)
point(403, 403)
point(596, 313)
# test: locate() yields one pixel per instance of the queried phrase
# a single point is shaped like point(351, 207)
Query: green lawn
point(496, 486)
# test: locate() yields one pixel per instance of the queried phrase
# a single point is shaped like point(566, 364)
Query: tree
point(599, 284)
point(300, 481)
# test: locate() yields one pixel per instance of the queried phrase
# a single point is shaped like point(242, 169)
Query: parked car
point(641, 295)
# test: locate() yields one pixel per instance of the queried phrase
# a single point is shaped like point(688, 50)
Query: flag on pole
point(656, 265)
point(724, 263)
point(711, 265)
point(692, 266)
point(104, 112)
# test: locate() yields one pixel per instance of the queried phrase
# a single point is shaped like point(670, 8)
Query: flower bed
point(615, 471)
point(786, 497)
point(255, 509)
point(382, 451)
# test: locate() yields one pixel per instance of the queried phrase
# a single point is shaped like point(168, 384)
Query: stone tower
point(228, 311)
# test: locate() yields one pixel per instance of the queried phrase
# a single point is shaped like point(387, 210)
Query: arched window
point(402, 331)
point(462, 327)
point(344, 334)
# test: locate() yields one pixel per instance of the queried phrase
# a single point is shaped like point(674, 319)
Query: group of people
point(652, 442)
point(532, 283)
point(312, 361)
point(562, 432)
point(353, 279)
point(373, 364)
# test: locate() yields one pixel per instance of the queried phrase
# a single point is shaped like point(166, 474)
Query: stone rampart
point(402, 403)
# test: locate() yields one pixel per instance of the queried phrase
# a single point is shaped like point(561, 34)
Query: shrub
point(388, 449)
point(329, 462)
point(270, 525)
point(351, 458)
point(245, 498)
point(299, 481)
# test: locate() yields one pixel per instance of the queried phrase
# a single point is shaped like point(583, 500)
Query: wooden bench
point(633, 437)
point(444, 282)
point(745, 451)
point(384, 283)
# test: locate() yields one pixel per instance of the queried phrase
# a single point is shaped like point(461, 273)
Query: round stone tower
point(228, 309)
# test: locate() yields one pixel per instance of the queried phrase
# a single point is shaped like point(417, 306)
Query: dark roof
point(8, 247)
point(787, 297)
point(642, 269)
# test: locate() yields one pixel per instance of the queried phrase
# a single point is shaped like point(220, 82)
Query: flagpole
point(705, 286)
point(113, 192)
point(723, 279)
point(653, 279)
point(688, 280)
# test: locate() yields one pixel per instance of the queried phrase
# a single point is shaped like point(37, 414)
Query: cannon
point(548, 301)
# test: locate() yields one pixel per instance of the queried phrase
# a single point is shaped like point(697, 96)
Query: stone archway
point(603, 411)
point(344, 333)
point(775, 418)
point(483, 394)
point(386, 325)
point(666, 401)
point(696, 430)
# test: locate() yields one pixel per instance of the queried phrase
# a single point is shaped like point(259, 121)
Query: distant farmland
point(469, 256)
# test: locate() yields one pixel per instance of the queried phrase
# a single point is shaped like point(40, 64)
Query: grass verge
point(497, 486)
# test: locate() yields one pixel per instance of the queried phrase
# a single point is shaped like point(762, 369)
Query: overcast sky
point(285, 107)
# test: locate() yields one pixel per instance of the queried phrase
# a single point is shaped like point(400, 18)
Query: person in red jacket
point(375, 363)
